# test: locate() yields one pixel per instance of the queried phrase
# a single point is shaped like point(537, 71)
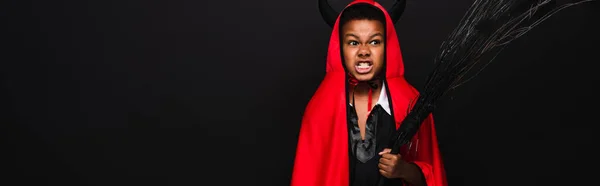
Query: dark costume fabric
point(323, 154)
point(364, 158)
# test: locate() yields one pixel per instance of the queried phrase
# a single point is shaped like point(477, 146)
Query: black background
point(212, 93)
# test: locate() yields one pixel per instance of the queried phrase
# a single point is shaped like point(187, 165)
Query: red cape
point(322, 157)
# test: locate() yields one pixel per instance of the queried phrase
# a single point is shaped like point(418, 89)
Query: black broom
point(486, 28)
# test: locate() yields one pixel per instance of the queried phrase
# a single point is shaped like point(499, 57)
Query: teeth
point(364, 64)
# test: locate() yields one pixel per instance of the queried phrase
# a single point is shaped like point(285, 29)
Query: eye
point(353, 43)
point(375, 42)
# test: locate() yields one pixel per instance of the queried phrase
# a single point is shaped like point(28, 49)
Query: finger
point(385, 161)
point(384, 166)
point(392, 157)
point(386, 150)
point(387, 165)
point(384, 173)
point(386, 156)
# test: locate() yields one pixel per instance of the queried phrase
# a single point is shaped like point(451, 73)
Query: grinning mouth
point(364, 63)
point(364, 66)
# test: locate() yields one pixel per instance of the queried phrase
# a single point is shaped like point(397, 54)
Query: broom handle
point(408, 128)
point(411, 123)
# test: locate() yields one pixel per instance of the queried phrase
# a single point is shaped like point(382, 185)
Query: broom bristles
point(486, 28)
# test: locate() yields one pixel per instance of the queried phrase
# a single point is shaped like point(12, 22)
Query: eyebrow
point(372, 36)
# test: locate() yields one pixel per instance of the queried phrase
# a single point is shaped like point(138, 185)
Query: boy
point(344, 136)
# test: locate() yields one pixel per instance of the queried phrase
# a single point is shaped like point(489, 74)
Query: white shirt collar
point(383, 100)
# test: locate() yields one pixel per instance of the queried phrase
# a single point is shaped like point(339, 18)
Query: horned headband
point(330, 15)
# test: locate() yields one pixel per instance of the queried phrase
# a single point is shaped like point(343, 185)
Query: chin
point(363, 77)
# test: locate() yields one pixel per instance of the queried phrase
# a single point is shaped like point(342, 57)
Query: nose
point(364, 51)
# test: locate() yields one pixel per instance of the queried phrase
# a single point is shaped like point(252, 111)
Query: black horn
point(396, 10)
point(327, 12)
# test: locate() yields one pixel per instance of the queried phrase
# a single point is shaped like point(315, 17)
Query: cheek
point(348, 56)
point(379, 56)
point(347, 52)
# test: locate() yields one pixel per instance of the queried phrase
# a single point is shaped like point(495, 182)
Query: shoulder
point(400, 89)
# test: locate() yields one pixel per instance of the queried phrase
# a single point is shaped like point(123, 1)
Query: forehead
point(363, 26)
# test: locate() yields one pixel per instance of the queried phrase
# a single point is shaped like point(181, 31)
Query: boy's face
point(363, 48)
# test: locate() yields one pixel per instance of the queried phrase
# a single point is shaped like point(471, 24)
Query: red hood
point(394, 64)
